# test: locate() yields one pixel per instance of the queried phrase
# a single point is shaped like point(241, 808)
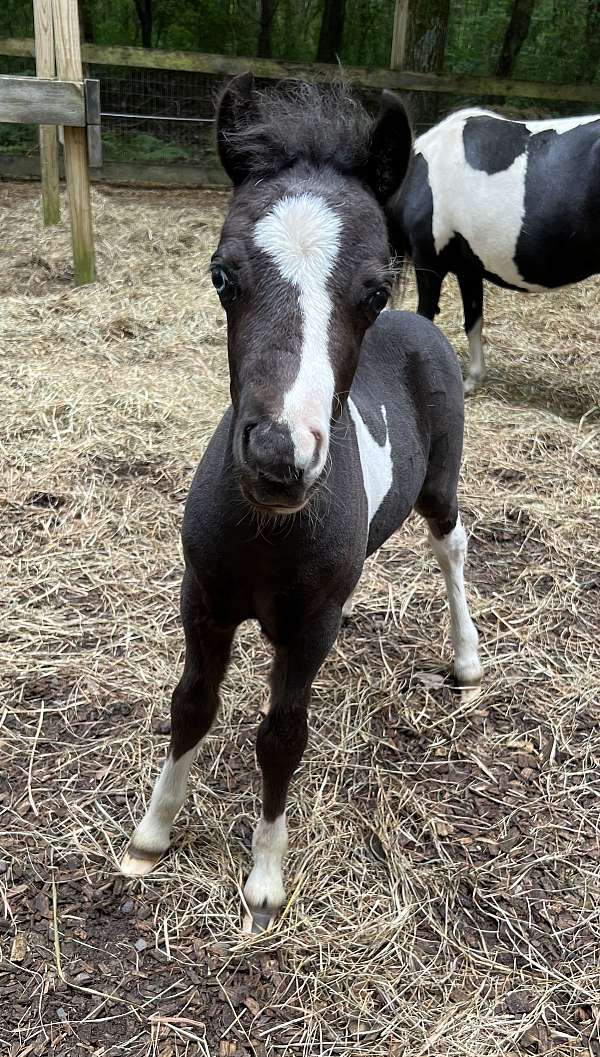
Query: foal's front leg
point(280, 744)
point(193, 708)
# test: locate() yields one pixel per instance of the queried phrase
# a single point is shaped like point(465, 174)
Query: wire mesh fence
point(154, 116)
point(166, 117)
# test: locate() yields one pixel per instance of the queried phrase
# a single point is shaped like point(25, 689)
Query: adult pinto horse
point(303, 272)
point(515, 202)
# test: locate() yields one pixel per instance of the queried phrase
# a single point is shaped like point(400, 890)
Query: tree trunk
point(592, 42)
point(515, 36)
point(267, 10)
point(86, 21)
point(332, 31)
point(144, 14)
point(426, 35)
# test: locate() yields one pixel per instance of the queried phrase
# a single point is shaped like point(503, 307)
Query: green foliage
point(18, 139)
point(143, 147)
point(556, 47)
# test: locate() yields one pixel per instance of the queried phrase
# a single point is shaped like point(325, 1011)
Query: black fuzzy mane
point(321, 125)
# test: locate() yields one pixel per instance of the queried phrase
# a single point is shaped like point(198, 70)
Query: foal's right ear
point(236, 108)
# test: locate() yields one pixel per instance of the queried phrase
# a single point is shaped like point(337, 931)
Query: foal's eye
point(220, 279)
point(378, 299)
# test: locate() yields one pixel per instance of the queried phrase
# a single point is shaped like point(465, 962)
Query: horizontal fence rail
point(43, 102)
point(397, 80)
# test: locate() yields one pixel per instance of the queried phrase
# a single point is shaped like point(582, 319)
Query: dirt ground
point(444, 869)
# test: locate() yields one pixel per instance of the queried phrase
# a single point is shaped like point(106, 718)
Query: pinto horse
point(343, 418)
point(515, 202)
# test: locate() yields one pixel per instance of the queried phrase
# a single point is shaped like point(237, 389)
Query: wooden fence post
point(44, 65)
point(69, 68)
point(399, 36)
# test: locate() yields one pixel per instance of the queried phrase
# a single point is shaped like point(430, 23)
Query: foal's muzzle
point(271, 478)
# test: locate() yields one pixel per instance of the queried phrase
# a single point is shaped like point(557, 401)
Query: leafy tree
point(591, 52)
point(145, 15)
point(425, 49)
point(332, 31)
point(514, 38)
point(267, 12)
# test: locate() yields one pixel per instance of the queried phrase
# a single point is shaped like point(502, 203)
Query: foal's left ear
point(236, 108)
point(389, 147)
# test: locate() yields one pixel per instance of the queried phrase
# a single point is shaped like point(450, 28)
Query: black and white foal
point(515, 202)
point(303, 271)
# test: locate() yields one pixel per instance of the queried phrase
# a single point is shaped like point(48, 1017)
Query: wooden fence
point(48, 101)
point(396, 79)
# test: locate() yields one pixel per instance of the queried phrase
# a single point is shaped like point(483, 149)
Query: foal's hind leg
point(450, 548)
point(448, 542)
point(280, 744)
point(193, 708)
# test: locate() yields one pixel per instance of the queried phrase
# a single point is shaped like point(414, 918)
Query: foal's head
point(302, 269)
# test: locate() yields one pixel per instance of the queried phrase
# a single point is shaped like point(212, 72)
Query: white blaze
point(375, 461)
point(301, 234)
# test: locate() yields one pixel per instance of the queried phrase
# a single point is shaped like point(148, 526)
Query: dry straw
point(444, 871)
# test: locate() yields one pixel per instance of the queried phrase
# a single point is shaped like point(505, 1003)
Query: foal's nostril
point(246, 434)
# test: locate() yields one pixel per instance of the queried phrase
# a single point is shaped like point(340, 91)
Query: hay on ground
point(443, 876)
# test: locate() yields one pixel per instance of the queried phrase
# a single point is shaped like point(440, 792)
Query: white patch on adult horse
point(264, 887)
point(476, 356)
point(375, 460)
point(301, 234)
point(489, 208)
point(558, 124)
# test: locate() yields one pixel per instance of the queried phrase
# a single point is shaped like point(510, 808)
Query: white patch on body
point(264, 887)
point(301, 234)
point(451, 552)
point(375, 461)
point(168, 795)
point(487, 209)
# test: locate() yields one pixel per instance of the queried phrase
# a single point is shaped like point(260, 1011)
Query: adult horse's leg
point(448, 541)
point(280, 744)
point(471, 289)
point(429, 285)
point(194, 705)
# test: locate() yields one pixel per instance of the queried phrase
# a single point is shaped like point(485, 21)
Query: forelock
point(322, 126)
